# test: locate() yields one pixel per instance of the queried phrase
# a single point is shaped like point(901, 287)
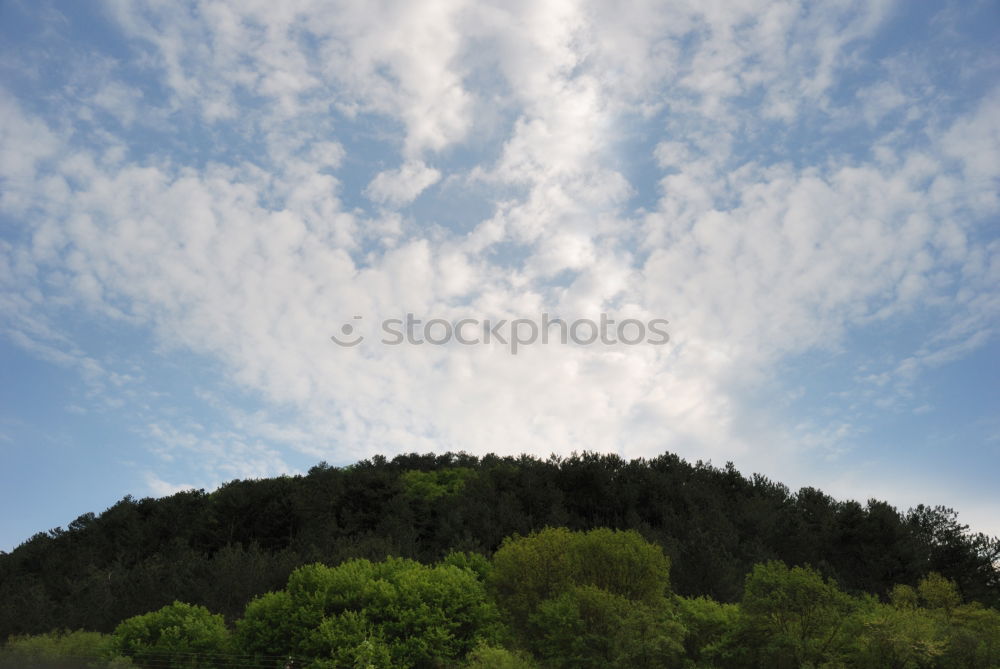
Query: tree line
point(221, 549)
point(554, 599)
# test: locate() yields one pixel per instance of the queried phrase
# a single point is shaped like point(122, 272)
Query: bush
point(493, 657)
point(61, 650)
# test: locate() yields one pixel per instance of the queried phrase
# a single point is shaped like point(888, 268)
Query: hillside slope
point(219, 549)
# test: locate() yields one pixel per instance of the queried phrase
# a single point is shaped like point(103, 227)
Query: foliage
point(397, 613)
point(494, 657)
point(221, 549)
point(588, 599)
point(179, 635)
point(588, 626)
point(515, 562)
point(928, 626)
point(529, 570)
point(61, 650)
point(478, 564)
point(707, 624)
point(898, 636)
point(795, 617)
point(937, 592)
point(433, 485)
point(573, 599)
point(579, 627)
point(268, 626)
point(973, 637)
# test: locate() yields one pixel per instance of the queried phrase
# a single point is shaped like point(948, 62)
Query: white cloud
point(24, 143)
point(402, 186)
point(255, 263)
point(159, 488)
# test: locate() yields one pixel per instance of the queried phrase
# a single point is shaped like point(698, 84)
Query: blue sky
point(195, 196)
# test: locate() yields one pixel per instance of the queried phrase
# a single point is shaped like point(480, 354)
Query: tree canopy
point(435, 558)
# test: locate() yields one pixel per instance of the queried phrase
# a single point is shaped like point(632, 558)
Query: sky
point(197, 198)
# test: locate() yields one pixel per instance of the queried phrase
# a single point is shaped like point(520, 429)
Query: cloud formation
point(756, 174)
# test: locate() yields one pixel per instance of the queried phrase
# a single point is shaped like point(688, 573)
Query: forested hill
point(220, 549)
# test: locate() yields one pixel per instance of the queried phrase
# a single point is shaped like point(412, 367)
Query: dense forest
point(453, 560)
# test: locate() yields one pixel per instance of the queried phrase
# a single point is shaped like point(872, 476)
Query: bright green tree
point(579, 627)
point(795, 618)
point(269, 627)
point(708, 624)
point(939, 593)
point(971, 631)
point(431, 486)
point(897, 635)
point(528, 570)
point(477, 563)
point(588, 599)
point(973, 637)
point(179, 635)
point(363, 613)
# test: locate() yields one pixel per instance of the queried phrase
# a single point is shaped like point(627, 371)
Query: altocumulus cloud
point(231, 181)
